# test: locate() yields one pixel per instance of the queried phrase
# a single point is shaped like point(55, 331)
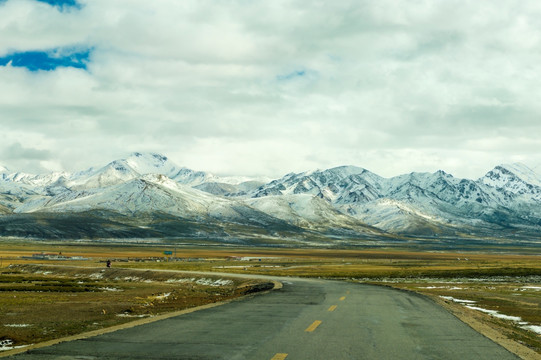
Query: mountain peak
point(151, 163)
point(156, 156)
point(347, 170)
point(442, 173)
point(518, 170)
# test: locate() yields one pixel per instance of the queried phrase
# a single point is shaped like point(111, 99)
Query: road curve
point(306, 319)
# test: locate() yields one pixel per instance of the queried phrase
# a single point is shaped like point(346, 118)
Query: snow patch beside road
point(460, 301)
point(7, 344)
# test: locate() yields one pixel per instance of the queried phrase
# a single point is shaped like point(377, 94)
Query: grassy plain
point(509, 284)
point(56, 299)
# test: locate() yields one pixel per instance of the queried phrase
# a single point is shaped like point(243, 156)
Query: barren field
point(502, 292)
point(40, 303)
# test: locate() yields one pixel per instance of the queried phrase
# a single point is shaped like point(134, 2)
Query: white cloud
point(277, 86)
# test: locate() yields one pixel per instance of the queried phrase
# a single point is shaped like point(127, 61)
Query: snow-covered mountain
point(134, 166)
point(311, 212)
point(119, 171)
point(139, 164)
point(146, 194)
point(514, 182)
point(228, 189)
point(499, 176)
point(37, 181)
point(423, 203)
point(322, 183)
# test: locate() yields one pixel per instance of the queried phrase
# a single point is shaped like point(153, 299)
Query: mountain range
point(147, 196)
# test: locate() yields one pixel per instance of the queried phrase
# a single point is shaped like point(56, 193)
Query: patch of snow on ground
point(523, 324)
point(6, 344)
point(17, 325)
point(211, 282)
point(203, 281)
point(535, 328)
point(180, 281)
point(96, 276)
point(440, 287)
point(43, 272)
point(133, 316)
point(450, 298)
point(495, 313)
point(164, 296)
point(536, 288)
point(110, 289)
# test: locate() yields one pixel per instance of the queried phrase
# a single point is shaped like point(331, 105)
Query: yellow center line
point(314, 325)
point(342, 298)
point(332, 308)
point(279, 356)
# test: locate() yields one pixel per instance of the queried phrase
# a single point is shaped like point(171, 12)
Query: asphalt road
point(306, 319)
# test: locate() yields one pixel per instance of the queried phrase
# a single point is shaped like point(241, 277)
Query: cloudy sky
point(252, 87)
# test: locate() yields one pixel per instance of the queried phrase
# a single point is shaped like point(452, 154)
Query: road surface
point(306, 319)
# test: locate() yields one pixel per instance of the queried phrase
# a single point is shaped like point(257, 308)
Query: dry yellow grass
point(40, 303)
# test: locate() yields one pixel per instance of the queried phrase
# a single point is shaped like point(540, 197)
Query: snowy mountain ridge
point(345, 201)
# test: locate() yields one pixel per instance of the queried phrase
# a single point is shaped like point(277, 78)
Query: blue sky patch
point(292, 75)
point(62, 3)
point(48, 60)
